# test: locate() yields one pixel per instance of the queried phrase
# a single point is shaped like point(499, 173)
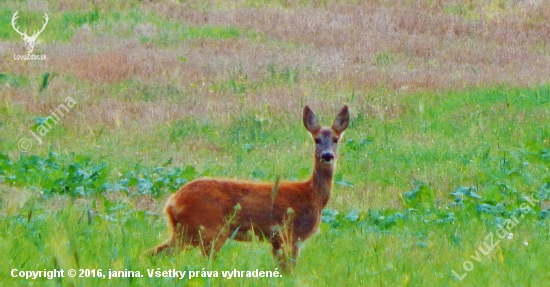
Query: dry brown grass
point(13, 199)
point(100, 68)
point(334, 49)
point(429, 48)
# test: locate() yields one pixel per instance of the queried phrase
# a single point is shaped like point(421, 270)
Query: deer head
point(29, 40)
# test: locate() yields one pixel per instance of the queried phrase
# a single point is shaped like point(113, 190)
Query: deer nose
point(327, 157)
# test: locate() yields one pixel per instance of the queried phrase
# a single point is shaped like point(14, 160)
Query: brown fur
point(206, 212)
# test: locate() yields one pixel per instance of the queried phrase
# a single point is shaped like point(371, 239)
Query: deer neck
point(321, 181)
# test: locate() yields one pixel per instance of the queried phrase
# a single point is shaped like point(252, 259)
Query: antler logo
point(29, 40)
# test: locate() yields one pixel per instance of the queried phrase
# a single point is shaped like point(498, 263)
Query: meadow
point(442, 178)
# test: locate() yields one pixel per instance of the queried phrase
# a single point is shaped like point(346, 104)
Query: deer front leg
point(285, 254)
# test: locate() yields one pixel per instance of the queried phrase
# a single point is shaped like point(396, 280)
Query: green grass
point(378, 229)
point(423, 177)
point(62, 26)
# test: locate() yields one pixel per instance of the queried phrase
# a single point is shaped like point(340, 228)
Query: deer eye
point(317, 140)
point(335, 140)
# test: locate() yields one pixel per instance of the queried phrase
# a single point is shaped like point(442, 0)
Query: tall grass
point(449, 135)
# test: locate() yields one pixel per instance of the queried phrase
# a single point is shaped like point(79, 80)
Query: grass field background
point(449, 139)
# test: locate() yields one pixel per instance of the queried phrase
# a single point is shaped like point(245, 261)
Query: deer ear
point(310, 120)
point(342, 120)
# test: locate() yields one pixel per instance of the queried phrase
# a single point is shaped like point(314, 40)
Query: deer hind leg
point(169, 245)
point(177, 241)
point(211, 241)
point(191, 230)
point(166, 247)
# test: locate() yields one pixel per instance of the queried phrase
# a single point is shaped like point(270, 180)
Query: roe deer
point(206, 212)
